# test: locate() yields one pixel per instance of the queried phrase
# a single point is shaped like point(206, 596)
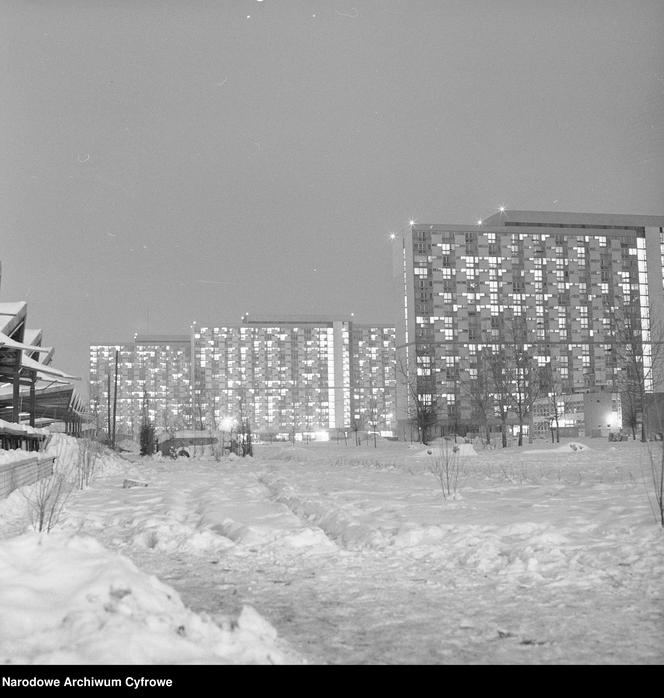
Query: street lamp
point(226, 424)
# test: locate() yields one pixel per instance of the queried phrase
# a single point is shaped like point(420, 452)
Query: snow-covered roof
point(19, 429)
point(12, 307)
point(11, 315)
point(55, 400)
point(32, 335)
point(6, 341)
point(27, 362)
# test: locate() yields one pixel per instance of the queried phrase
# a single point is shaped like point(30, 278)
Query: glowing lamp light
point(613, 420)
point(502, 209)
point(412, 222)
point(392, 236)
point(227, 424)
point(479, 222)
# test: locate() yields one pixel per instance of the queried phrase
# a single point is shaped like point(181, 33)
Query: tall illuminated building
point(162, 379)
point(373, 377)
point(286, 375)
point(153, 378)
point(557, 278)
point(293, 376)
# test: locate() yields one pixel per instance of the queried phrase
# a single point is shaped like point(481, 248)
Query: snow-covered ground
point(329, 553)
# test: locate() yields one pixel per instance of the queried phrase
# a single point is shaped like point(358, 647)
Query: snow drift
point(69, 600)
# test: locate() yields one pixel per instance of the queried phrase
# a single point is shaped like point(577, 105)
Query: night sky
point(165, 162)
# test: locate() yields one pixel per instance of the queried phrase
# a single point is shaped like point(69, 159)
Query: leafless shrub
point(655, 466)
point(89, 452)
point(46, 501)
point(216, 445)
point(445, 464)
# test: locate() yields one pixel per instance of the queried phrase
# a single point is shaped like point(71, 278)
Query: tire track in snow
point(203, 508)
point(244, 512)
point(339, 524)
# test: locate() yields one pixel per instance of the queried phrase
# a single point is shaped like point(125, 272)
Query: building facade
point(289, 377)
point(153, 379)
point(373, 378)
point(557, 286)
point(286, 375)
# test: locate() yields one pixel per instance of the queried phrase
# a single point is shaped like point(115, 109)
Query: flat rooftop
point(570, 219)
point(286, 319)
point(162, 339)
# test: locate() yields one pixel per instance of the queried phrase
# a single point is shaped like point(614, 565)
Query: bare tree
point(501, 385)
point(656, 463)
point(373, 415)
point(477, 388)
point(422, 409)
point(638, 350)
point(525, 377)
point(552, 386)
point(513, 377)
point(422, 403)
point(94, 409)
point(147, 434)
point(655, 451)
point(356, 425)
point(426, 417)
point(247, 442)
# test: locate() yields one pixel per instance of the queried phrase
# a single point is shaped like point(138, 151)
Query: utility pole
point(108, 381)
point(115, 397)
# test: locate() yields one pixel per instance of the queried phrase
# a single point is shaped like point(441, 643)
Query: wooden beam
point(33, 402)
point(16, 397)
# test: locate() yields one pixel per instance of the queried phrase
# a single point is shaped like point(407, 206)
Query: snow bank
point(69, 600)
point(174, 536)
point(257, 535)
point(463, 449)
point(129, 446)
point(69, 451)
point(343, 525)
point(288, 453)
point(571, 447)
point(15, 428)
point(15, 454)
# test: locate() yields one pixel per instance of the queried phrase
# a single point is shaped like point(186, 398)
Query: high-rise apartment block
point(557, 283)
point(289, 376)
point(163, 378)
point(286, 375)
point(153, 379)
point(373, 377)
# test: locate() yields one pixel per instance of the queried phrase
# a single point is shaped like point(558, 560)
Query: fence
point(23, 472)
point(28, 442)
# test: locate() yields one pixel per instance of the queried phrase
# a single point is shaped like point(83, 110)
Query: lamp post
point(226, 425)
